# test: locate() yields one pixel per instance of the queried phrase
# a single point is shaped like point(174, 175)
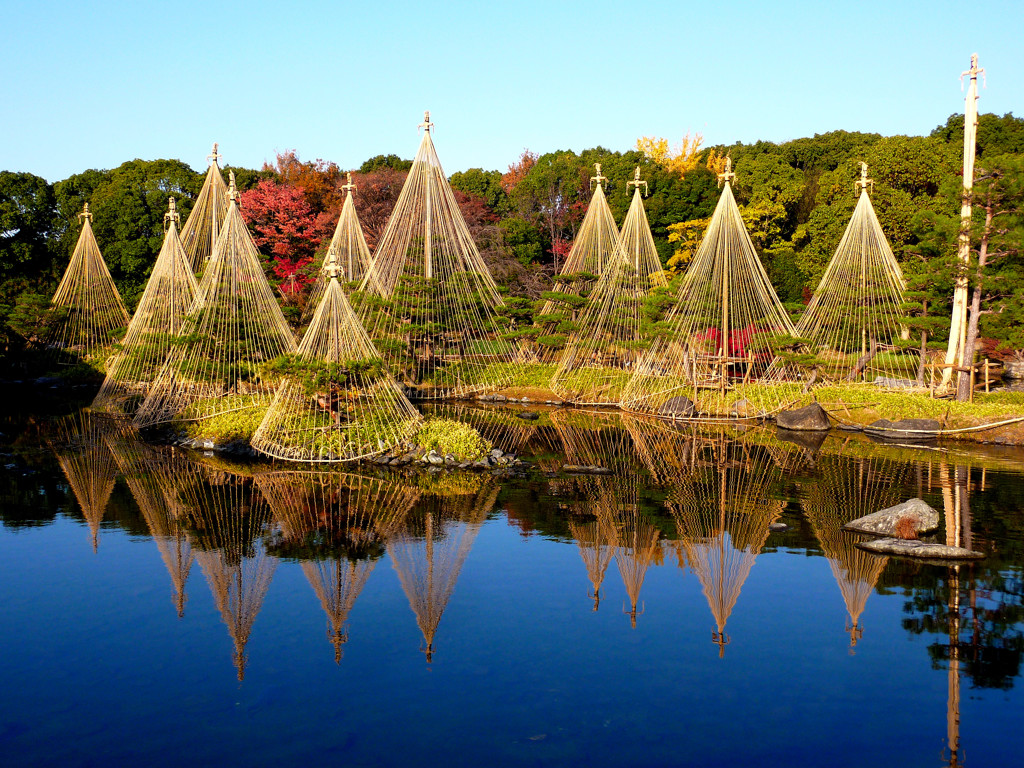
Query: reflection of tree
point(154, 476)
point(843, 491)
point(229, 521)
point(722, 514)
point(337, 525)
point(431, 548)
point(977, 610)
point(77, 441)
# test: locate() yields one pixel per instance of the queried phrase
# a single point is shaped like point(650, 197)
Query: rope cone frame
point(170, 293)
point(638, 242)
point(348, 249)
point(596, 247)
point(853, 319)
point(347, 406)
point(90, 315)
point(725, 295)
point(428, 300)
point(234, 327)
point(202, 228)
point(598, 361)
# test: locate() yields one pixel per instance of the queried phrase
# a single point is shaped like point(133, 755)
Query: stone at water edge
point(778, 527)
point(809, 441)
point(883, 522)
point(744, 409)
point(919, 549)
point(528, 415)
point(810, 418)
point(904, 429)
point(678, 407)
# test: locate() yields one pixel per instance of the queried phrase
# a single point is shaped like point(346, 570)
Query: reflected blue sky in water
point(98, 668)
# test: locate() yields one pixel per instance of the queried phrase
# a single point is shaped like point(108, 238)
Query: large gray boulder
point(1014, 369)
point(904, 429)
point(811, 418)
point(678, 407)
point(883, 522)
point(919, 549)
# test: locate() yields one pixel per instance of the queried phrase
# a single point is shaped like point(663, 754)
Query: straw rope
point(169, 295)
point(428, 300)
point(202, 228)
point(721, 329)
point(89, 315)
point(339, 403)
point(233, 328)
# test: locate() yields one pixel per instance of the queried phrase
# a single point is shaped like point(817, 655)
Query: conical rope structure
point(154, 476)
point(844, 490)
point(170, 293)
point(712, 362)
point(229, 521)
point(429, 551)
point(722, 514)
point(637, 240)
point(602, 353)
point(428, 299)
point(88, 315)
point(337, 525)
point(348, 249)
point(852, 323)
point(202, 228)
point(596, 246)
point(336, 400)
point(234, 328)
point(78, 443)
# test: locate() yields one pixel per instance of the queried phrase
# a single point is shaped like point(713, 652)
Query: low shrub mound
point(446, 436)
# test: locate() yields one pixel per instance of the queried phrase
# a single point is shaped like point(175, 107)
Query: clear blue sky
point(92, 84)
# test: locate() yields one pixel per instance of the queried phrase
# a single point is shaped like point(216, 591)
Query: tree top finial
point(973, 72)
point(727, 175)
point(349, 186)
point(232, 188)
point(864, 182)
point(214, 156)
point(637, 181)
point(331, 268)
point(85, 215)
point(599, 178)
point(172, 216)
point(426, 124)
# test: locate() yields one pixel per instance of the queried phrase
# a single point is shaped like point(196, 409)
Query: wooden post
point(958, 320)
point(987, 382)
point(974, 371)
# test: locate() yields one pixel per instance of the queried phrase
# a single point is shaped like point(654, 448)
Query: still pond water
point(161, 608)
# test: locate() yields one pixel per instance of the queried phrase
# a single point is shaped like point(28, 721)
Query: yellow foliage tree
point(716, 162)
point(686, 235)
point(680, 158)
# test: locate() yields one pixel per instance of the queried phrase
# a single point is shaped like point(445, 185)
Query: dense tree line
point(796, 198)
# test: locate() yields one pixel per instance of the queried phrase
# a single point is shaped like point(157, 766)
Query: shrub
point(447, 436)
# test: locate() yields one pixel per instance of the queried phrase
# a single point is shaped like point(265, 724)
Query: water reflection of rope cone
point(338, 525)
point(78, 443)
point(722, 513)
point(230, 521)
point(844, 490)
point(637, 545)
point(428, 552)
point(154, 476)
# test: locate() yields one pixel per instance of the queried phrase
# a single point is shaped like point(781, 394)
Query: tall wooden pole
point(958, 322)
